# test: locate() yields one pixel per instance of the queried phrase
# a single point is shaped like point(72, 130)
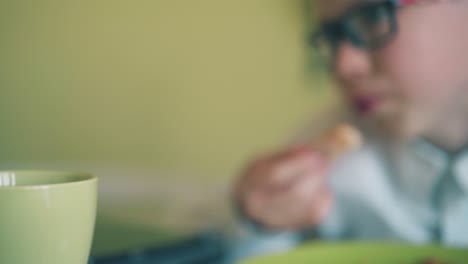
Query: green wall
point(194, 86)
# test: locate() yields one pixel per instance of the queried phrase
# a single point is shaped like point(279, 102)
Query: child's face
point(414, 81)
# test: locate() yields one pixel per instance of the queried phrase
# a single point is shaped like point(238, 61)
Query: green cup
point(46, 217)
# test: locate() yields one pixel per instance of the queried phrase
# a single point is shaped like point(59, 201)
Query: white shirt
point(414, 193)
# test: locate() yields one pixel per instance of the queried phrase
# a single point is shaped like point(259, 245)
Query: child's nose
point(351, 63)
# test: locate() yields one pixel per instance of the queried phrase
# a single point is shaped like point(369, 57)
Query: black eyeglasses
point(368, 26)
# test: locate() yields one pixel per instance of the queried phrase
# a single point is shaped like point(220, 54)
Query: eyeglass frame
point(340, 24)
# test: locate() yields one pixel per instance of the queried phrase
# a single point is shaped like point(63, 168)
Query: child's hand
point(286, 190)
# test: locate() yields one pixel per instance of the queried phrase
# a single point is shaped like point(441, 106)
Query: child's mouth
point(366, 105)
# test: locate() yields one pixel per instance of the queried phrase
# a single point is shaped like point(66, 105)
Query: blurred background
point(165, 100)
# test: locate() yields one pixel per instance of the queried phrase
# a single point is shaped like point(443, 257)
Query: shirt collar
point(430, 154)
point(417, 167)
point(441, 161)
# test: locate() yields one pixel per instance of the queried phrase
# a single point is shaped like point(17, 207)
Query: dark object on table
point(205, 248)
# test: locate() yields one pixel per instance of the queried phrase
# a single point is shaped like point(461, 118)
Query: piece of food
point(339, 140)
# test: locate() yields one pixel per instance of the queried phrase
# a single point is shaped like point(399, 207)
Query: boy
point(402, 66)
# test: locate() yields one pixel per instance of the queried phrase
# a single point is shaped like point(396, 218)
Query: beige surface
point(192, 86)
